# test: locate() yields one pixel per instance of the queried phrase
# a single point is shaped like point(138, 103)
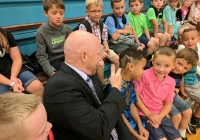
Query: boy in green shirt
point(154, 18)
point(138, 23)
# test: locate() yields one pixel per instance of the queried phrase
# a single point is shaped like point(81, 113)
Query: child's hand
point(139, 137)
point(141, 47)
point(185, 96)
point(155, 125)
point(154, 118)
point(171, 33)
point(104, 54)
point(107, 50)
point(16, 80)
point(143, 132)
point(128, 27)
point(17, 88)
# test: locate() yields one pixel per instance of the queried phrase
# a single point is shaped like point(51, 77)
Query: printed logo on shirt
point(57, 40)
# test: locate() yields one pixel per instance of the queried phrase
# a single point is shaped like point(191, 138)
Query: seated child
point(51, 36)
point(155, 92)
point(170, 14)
point(155, 18)
point(23, 117)
point(13, 76)
point(182, 14)
point(94, 9)
point(181, 112)
point(132, 63)
point(195, 12)
point(138, 23)
point(190, 86)
point(121, 32)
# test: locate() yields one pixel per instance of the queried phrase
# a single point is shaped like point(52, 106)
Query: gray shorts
point(193, 91)
point(151, 32)
point(178, 106)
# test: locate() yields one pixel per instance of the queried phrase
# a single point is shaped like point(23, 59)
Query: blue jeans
point(26, 77)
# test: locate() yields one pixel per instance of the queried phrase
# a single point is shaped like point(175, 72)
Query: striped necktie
point(113, 134)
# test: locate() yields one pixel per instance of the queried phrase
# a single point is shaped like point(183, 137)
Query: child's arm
point(136, 37)
point(132, 130)
point(105, 44)
point(155, 27)
point(142, 131)
point(182, 88)
point(170, 29)
point(146, 32)
point(165, 25)
point(165, 110)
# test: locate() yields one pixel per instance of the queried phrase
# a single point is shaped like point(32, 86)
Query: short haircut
point(134, 1)
point(14, 109)
point(47, 4)
point(189, 55)
point(165, 51)
point(130, 55)
point(88, 3)
point(115, 1)
point(190, 30)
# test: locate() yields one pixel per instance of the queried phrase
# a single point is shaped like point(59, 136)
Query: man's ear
point(83, 56)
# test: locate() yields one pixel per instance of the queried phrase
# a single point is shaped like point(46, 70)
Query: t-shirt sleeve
point(151, 14)
point(11, 39)
point(168, 14)
point(110, 23)
point(82, 27)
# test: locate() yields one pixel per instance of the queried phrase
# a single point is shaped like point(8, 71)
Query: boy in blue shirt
point(122, 34)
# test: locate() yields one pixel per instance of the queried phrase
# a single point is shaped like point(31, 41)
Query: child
point(190, 86)
point(155, 91)
point(138, 23)
point(14, 77)
point(170, 14)
point(132, 63)
point(195, 12)
point(122, 34)
point(23, 117)
point(51, 36)
point(154, 18)
point(94, 9)
point(182, 14)
point(181, 112)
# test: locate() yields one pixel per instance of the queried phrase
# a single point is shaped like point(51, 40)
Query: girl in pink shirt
point(155, 92)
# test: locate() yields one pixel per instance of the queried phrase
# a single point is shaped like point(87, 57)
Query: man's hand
point(115, 78)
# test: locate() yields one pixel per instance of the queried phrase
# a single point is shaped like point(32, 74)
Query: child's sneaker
point(184, 138)
point(192, 128)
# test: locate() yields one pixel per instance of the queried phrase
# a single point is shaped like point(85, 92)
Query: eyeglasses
point(94, 12)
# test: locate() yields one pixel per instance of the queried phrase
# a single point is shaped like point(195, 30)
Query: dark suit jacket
point(75, 112)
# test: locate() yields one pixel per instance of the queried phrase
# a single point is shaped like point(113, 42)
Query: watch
point(12, 84)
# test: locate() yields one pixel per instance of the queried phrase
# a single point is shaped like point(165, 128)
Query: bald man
point(74, 98)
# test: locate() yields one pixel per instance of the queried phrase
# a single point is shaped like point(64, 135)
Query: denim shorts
point(166, 129)
point(178, 106)
point(143, 39)
point(26, 77)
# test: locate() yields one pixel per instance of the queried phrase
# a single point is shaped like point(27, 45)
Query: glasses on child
point(94, 12)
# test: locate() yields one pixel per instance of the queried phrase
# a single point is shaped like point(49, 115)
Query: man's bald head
point(77, 45)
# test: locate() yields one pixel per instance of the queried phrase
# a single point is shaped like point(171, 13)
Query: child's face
point(162, 65)
point(137, 70)
point(135, 7)
point(190, 39)
point(187, 3)
point(118, 8)
point(173, 3)
point(94, 12)
point(55, 16)
point(181, 66)
point(36, 124)
point(157, 3)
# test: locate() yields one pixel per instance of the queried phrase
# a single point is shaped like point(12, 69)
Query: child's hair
point(115, 1)
point(190, 30)
point(4, 42)
point(168, 1)
point(47, 4)
point(198, 27)
point(181, 30)
point(189, 55)
point(88, 3)
point(165, 51)
point(130, 55)
point(14, 109)
point(134, 1)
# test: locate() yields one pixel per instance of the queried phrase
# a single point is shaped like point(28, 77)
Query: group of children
point(153, 94)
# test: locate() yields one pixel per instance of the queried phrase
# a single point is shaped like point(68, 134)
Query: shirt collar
point(81, 73)
point(91, 22)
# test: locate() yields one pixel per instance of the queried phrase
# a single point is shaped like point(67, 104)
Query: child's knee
point(168, 36)
point(187, 113)
point(115, 60)
point(100, 64)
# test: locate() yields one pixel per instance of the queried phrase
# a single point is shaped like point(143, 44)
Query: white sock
point(182, 133)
